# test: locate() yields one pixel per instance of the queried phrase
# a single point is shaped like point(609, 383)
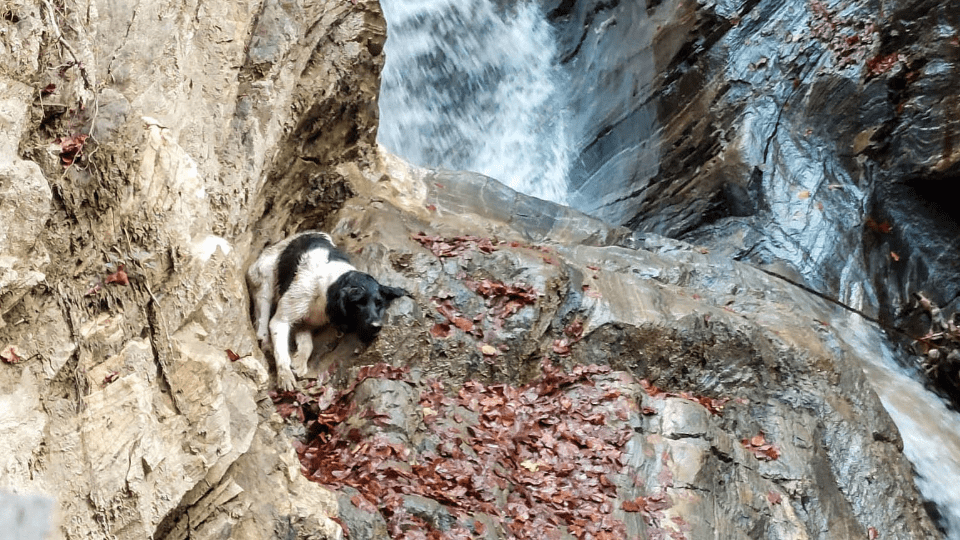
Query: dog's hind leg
point(260, 279)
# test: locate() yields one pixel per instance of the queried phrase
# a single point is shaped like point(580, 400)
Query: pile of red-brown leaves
point(454, 318)
point(458, 246)
point(715, 406)
point(850, 39)
point(502, 300)
point(759, 447)
point(536, 458)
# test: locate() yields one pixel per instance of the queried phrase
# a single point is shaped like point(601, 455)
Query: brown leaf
point(769, 451)
point(71, 148)
point(48, 89)
point(112, 376)
point(872, 533)
point(441, 330)
point(882, 227)
point(464, 324)
point(119, 277)
point(761, 449)
point(774, 497)
point(574, 329)
point(232, 355)
point(592, 293)
point(10, 355)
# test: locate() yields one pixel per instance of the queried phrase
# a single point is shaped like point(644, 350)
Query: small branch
point(52, 15)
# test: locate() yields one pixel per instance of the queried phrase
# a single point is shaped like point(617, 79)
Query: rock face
point(140, 146)
point(697, 324)
point(773, 131)
point(149, 151)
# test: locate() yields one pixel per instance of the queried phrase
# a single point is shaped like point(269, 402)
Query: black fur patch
point(289, 261)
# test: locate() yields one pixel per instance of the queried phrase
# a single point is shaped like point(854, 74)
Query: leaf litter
point(537, 458)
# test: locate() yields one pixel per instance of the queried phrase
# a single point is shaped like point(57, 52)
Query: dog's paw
point(286, 381)
point(299, 366)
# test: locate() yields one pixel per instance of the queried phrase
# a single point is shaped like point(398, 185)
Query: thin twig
point(76, 59)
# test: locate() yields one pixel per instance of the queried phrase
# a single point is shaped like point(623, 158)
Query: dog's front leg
point(280, 333)
point(304, 341)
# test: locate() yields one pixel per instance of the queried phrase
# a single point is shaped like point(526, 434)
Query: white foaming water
point(928, 428)
point(471, 86)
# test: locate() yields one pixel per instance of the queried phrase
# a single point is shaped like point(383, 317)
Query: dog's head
point(357, 303)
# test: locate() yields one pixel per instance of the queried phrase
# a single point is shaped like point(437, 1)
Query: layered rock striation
point(775, 131)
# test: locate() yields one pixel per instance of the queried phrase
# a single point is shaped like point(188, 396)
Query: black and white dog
point(304, 282)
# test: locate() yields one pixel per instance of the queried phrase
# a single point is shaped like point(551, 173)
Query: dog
point(304, 282)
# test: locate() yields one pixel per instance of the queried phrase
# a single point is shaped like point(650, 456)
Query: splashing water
point(471, 86)
point(930, 440)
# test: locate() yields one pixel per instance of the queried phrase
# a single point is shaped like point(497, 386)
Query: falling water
point(470, 85)
point(928, 427)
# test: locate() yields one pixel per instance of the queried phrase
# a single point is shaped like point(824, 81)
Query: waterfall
point(470, 85)
point(927, 426)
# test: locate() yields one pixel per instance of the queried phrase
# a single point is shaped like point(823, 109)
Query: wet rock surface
point(775, 132)
point(765, 417)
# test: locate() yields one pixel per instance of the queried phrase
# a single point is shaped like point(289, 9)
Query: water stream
point(469, 85)
point(930, 441)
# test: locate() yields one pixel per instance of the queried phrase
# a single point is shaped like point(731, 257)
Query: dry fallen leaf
point(761, 448)
point(488, 350)
point(71, 148)
point(10, 355)
point(531, 466)
point(441, 330)
point(803, 194)
point(119, 277)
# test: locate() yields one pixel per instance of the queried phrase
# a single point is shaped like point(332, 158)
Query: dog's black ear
point(337, 305)
point(392, 293)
